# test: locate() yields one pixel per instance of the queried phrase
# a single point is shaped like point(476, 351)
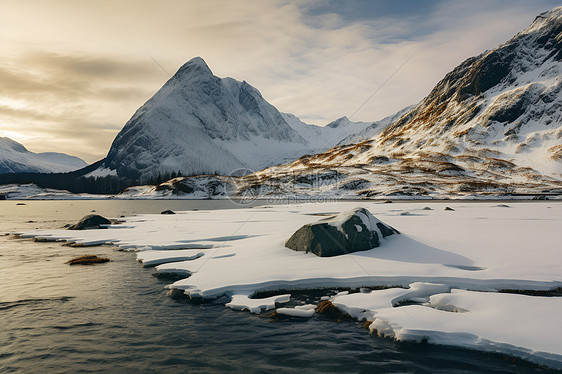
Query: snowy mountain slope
point(506, 100)
point(492, 126)
point(15, 158)
point(198, 123)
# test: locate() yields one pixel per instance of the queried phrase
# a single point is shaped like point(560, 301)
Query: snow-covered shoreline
point(148, 192)
point(454, 263)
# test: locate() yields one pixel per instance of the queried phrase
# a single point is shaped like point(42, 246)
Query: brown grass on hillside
point(496, 163)
point(556, 152)
point(469, 158)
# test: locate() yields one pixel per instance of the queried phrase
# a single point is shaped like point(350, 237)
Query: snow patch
point(243, 302)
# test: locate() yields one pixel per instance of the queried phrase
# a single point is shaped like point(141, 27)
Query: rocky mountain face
point(508, 100)
point(198, 123)
point(493, 125)
point(15, 158)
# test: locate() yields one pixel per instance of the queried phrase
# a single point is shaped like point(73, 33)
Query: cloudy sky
point(73, 72)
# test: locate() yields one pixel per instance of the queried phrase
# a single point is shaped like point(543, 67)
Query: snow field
point(446, 259)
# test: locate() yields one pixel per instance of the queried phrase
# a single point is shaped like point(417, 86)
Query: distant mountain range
point(491, 126)
point(15, 158)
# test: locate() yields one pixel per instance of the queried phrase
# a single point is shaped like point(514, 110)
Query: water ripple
point(32, 302)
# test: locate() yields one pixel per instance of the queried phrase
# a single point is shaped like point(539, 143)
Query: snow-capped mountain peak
point(195, 63)
point(507, 99)
point(342, 121)
point(545, 23)
point(194, 69)
point(198, 123)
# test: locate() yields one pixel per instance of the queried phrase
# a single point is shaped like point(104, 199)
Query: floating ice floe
point(243, 302)
point(302, 311)
point(232, 255)
point(155, 257)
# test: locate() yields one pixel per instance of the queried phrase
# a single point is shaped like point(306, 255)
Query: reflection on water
point(115, 317)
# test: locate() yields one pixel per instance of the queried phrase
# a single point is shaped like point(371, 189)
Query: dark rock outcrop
point(348, 232)
point(87, 260)
point(91, 221)
point(168, 212)
point(329, 310)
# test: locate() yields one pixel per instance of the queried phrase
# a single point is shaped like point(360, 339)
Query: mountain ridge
point(198, 123)
point(507, 95)
point(16, 158)
point(492, 126)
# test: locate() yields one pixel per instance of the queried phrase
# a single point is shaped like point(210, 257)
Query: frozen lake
point(116, 317)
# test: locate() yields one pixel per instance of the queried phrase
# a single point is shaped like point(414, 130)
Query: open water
point(116, 317)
